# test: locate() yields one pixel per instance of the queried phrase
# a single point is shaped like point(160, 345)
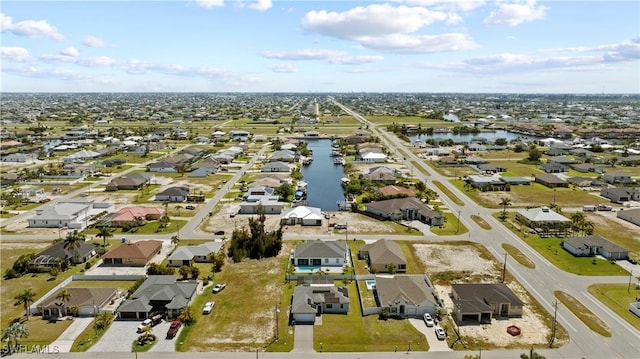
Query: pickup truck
point(173, 329)
point(150, 322)
point(604, 207)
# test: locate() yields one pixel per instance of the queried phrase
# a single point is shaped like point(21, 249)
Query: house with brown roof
point(383, 256)
point(132, 181)
point(406, 296)
point(395, 191)
point(133, 216)
point(408, 209)
point(89, 302)
point(477, 303)
point(136, 254)
point(551, 181)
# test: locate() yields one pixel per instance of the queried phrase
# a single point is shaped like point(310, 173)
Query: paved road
point(541, 282)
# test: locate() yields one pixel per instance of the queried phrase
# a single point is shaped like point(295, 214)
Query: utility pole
point(458, 228)
point(504, 267)
point(629, 286)
point(555, 323)
point(277, 322)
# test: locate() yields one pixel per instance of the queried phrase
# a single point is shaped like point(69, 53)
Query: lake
point(323, 177)
point(473, 137)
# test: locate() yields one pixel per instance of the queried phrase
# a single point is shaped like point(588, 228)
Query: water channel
point(323, 177)
point(474, 137)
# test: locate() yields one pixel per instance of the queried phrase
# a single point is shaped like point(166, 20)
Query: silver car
point(440, 333)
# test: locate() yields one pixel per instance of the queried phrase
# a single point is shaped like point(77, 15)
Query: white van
point(589, 208)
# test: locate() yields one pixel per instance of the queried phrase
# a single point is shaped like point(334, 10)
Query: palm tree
point(186, 315)
point(72, 242)
point(146, 332)
point(505, 202)
point(105, 233)
point(25, 298)
point(175, 240)
point(578, 222)
point(178, 208)
point(103, 320)
point(65, 296)
point(14, 332)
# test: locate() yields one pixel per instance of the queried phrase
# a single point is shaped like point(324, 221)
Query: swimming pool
point(307, 269)
point(371, 283)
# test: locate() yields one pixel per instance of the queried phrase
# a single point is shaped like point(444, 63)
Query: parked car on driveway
point(173, 329)
point(208, 307)
point(150, 322)
point(191, 207)
point(440, 333)
point(219, 287)
point(428, 320)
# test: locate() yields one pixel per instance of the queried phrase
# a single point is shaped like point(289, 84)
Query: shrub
point(11, 273)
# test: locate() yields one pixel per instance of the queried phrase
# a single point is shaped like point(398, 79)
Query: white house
point(306, 216)
point(321, 254)
point(73, 214)
point(373, 157)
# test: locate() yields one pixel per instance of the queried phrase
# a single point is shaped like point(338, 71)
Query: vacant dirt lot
point(458, 258)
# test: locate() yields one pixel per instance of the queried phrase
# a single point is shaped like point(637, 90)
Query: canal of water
point(323, 177)
point(472, 137)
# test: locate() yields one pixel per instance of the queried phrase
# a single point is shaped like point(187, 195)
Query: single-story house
point(409, 208)
point(321, 254)
point(89, 302)
point(592, 245)
point(554, 167)
point(31, 192)
point(201, 253)
point(476, 303)
point(131, 181)
point(392, 190)
point(487, 183)
point(584, 167)
point(373, 157)
point(163, 166)
point(383, 256)
point(203, 172)
point(616, 177)
point(516, 181)
point(406, 296)
point(19, 157)
point(474, 160)
point(630, 215)
point(283, 156)
point(81, 156)
point(277, 166)
point(621, 194)
point(57, 255)
point(308, 302)
point(173, 194)
point(563, 160)
point(491, 168)
point(306, 216)
point(550, 181)
point(542, 217)
point(269, 205)
point(136, 254)
point(72, 214)
point(133, 216)
point(158, 294)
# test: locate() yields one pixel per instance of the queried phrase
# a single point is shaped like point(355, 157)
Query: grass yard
point(148, 228)
point(518, 256)
point(451, 226)
point(448, 193)
point(354, 333)
point(583, 313)
point(87, 338)
point(421, 167)
point(455, 172)
point(227, 328)
point(617, 297)
point(551, 249)
point(618, 232)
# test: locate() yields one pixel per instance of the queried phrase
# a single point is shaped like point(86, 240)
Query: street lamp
point(504, 267)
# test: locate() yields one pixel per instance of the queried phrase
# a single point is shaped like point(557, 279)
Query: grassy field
point(551, 249)
point(451, 227)
point(149, 228)
point(455, 172)
point(448, 193)
point(617, 297)
point(354, 333)
point(615, 231)
point(583, 313)
point(421, 167)
point(87, 338)
point(518, 256)
point(481, 222)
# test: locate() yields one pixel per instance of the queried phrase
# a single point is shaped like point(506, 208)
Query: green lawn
point(451, 227)
point(148, 228)
point(87, 338)
point(621, 234)
point(617, 297)
point(354, 333)
point(448, 193)
point(583, 313)
point(551, 249)
point(481, 222)
point(518, 256)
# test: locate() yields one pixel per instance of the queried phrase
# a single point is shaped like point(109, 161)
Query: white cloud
point(356, 60)
point(450, 5)
point(628, 49)
point(516, 13)
point(420, 44)
point(18, 54)
point(330, 56)
point(70, 51)
point(283, 68)
point(208, 4)
point(82, 61)
point(261, 5)
point(30, 28)
point(92, 41)
point(373, 21)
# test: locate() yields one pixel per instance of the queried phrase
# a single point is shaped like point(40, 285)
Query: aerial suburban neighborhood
point(431, 220)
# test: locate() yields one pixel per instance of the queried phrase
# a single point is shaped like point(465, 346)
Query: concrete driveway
point(435, 345)
point(163, 344)
point(118, 337)
point(66, 339)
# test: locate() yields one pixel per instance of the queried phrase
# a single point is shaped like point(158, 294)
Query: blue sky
point(522, 46)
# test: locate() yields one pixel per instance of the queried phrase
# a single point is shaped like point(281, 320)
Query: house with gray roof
point(309, 302)
point(477, 303)
point(132, 181)
point(616, 177)
point(276, 166)
point(383, 256)
point(554, 167)
point(72, 214)
point(630, 215)
point(57, 256)
point(409, 208)
point(406, 296)
point(173, 194)
point(549, 180)
point(283, 156)
point(201, 253)
point(621, 194)
point(158, 294)
point(588, 246)
point(543, 219)
point(321, 254)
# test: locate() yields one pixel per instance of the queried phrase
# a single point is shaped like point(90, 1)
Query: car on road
point(208, 307)
point(191, 207)
point(440, 333)
point(173, 329)
point(219, 186)
point(44, 200)
point(219, 287)
point(428, 320)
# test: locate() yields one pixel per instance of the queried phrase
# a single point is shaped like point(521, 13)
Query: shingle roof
point(408, 288)
point(542, 214)
point(384, 251)
point(594, 241)
point(188, 252)
point(486, 293)
point(137, 250)
point(305, 298)
point(321, 249)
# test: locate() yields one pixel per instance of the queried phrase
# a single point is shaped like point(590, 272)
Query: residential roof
point(475, 297)
point(306, 298)
point(57, 250)
point(395, 190)
point(303, 212)
point(321, 249)
point(174, 191)
point(128, 214)
point(594, 241)
point(542, 214)
point(396, 205)
point(164, 288)
point(61, 210)
point(82, 297)
point(137, 250)
point(408, 288)
point(384, 251)
point(188, 252)
point(548, 178)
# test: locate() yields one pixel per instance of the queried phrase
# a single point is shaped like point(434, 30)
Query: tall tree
point(104, 233)
point(505, 202)
point(72, 242)
point(186, 315)
point(25, 298)
point(65, 296)
point(14, 332)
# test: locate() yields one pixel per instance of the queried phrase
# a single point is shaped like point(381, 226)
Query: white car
point(428, 320)
point(219, 287)
point(208, 307)
point(440, 333)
